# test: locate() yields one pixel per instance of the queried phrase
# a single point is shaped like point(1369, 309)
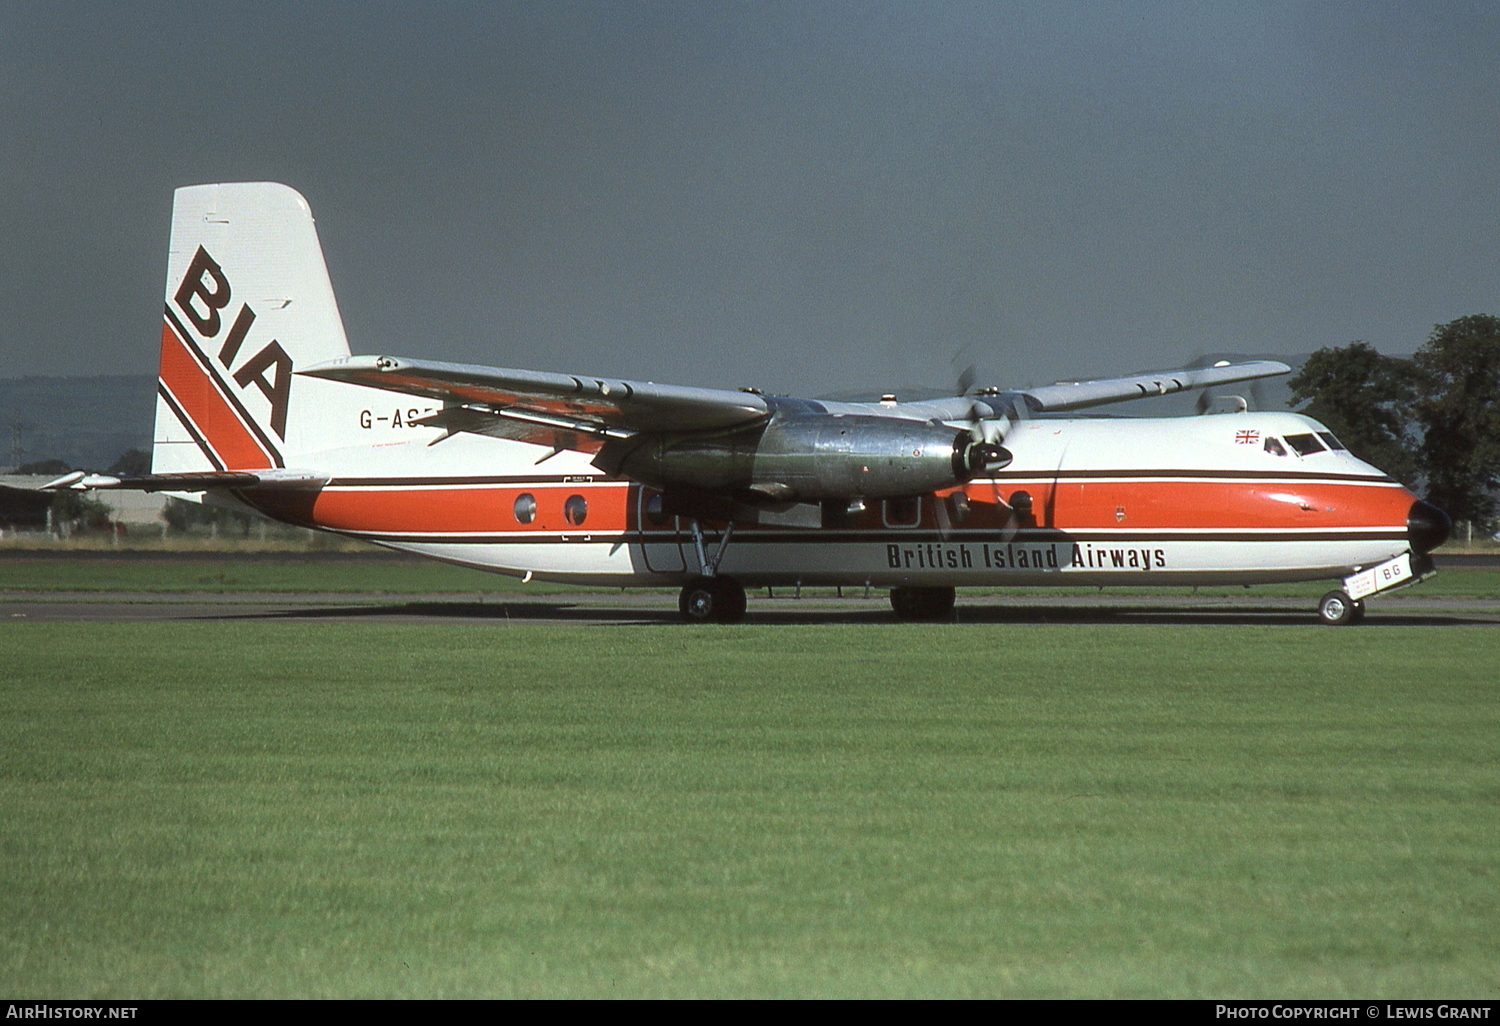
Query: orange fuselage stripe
point(469, 510)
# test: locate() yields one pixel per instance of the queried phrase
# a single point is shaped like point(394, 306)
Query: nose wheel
point(1337, 608)
point(712, 600)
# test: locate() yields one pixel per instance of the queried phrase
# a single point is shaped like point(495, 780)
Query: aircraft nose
point(1427, 527)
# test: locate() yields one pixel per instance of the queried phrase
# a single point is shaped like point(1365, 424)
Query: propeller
point(987, 430)
point(989, 424)
point(984, 425)
point(966, 378)
point(988, 427)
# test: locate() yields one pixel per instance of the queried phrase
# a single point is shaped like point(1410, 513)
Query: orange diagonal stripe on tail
point(198, 394)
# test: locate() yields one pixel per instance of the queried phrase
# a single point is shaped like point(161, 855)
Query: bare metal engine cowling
point(810, 458)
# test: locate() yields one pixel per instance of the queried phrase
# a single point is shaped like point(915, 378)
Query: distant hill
point(85, 421)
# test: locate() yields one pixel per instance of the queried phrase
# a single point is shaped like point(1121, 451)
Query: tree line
point(1431, 421)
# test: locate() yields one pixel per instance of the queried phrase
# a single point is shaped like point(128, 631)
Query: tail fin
point(248, 303)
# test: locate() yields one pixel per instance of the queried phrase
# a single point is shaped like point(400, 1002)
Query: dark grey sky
point(802, 196)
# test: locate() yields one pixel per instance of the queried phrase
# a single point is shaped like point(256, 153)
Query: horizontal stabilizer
point(193, 482)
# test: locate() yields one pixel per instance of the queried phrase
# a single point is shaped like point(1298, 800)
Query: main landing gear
point(709, 597)
point(923, 603)
point(712, 600)
point(1337, 608)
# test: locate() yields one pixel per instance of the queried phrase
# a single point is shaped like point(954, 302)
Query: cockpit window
point(1331, 442)
point(1305, 445)
point(1274, 447)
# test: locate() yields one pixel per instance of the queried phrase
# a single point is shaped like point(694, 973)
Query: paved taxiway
point(661, 608)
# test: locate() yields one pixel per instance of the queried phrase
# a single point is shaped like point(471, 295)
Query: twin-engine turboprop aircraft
point(594, 481)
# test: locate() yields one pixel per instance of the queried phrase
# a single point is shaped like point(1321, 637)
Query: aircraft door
point(659, 535)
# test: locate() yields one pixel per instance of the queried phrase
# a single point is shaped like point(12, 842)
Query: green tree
point(1460, 417)
point(1366, 399)
point(78, 511)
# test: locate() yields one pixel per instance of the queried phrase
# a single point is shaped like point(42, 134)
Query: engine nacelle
point(813, 458)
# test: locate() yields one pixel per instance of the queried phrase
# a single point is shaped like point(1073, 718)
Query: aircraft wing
point(193, 482)
point(1078, 395)
point(578, 412)
point(552, 402)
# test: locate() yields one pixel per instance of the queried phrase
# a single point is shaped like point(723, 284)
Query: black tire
point(1359, 611)
point(1336, 609)
point(712, 600)
point(923, 604)
point(699, 600)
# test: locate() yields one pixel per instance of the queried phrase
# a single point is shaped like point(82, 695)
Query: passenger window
point(575, 510)
point(525, 508)
point(1305, 445)
point(1331, 442)
point(1274, 447)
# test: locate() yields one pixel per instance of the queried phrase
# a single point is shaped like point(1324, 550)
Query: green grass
point(298, 810)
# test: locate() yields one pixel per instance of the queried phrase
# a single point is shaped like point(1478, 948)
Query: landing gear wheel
point(1337, 608)
point(913, 604)
point(696, 601)
point(1359, 612)
point(712, 600)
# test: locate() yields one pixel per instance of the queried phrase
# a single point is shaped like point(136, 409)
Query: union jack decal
point(1247, 437)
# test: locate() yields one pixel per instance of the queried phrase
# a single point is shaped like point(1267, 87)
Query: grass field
point(353, 810)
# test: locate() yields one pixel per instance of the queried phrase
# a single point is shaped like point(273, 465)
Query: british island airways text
point(1022, 556)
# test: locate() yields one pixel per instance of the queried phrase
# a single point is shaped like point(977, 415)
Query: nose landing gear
point(1337, 608)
